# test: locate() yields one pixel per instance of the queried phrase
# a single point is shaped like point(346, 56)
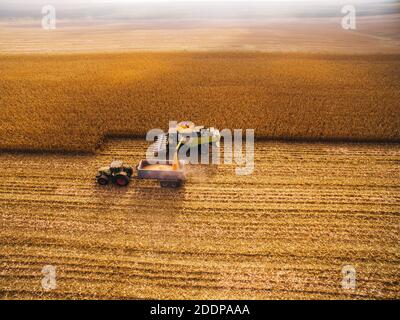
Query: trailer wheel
point(103, 180)
point(164, 184)
point(170, 184)
point(175, 184)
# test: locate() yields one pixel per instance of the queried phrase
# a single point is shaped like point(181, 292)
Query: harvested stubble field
point(69, 102)
point(284, 232)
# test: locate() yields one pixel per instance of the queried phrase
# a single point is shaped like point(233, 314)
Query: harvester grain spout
point(176, 164)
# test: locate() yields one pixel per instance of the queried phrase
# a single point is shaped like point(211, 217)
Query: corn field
point(70, 102)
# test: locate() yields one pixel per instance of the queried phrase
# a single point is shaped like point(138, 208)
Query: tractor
point(117, 173)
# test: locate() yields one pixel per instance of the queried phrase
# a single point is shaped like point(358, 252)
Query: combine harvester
point(170, 173)
point(192, 136)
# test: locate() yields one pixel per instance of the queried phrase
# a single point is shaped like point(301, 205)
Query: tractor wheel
point(103, 180)
point(121, 180)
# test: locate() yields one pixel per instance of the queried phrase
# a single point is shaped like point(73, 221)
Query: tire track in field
point(284, 232)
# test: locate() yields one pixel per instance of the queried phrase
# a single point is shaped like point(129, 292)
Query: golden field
point(375, 34)
point(69, 102)
point(284, 232)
